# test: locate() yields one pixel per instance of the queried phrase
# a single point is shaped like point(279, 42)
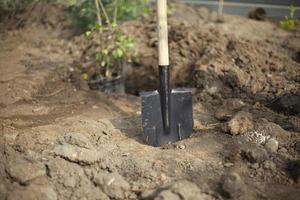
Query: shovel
point(167, 114)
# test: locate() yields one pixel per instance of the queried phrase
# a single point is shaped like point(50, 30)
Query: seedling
point(114, 53)
point(289, 22)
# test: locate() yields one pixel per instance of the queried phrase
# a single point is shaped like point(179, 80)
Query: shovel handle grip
point(163, 49)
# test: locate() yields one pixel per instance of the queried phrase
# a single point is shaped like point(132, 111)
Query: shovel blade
point(181, 123)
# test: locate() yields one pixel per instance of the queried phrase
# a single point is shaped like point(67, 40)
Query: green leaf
point(88, 33)
point(85, 76)
point(105, 51)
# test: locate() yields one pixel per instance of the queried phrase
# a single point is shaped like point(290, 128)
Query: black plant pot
point(112, 85)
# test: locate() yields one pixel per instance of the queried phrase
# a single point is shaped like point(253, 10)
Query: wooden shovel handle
point(163, 49)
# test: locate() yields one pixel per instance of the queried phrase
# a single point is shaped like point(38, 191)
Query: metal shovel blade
point(181, 115)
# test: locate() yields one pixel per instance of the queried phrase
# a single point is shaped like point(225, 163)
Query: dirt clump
point(227, 110)
point(181, 190)
point(23, 171)
point(255, 154)
point(112, 184)
point(234, 186)
point(241, 123)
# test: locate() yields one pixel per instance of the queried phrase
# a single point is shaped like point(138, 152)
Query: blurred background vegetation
point(84, 12)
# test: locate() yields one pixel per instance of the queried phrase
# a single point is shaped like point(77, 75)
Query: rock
point(228, 109)
point(77, 154)
point(23, 170)
point(241, 123)
point(272, 145)
point(255, 154)
point(234, 186)
point(112, 184)
point(184, 190)
point(33, 192)
point(166, 195)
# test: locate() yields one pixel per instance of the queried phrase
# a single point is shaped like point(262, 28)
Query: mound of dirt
point(50, 16)
point(210, 57)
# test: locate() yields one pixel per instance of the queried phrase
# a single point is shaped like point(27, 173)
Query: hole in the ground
point(293, 169)
point(297, 57)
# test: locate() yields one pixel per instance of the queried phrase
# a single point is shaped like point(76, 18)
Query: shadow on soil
point(127, 123)
point(293, 169)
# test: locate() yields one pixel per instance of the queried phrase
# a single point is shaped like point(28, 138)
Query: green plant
point(85, 13)
point(114, 51)
point(115, 44)
point(289, 22)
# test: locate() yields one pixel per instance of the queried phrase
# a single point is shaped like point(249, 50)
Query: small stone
point(182, 146)
point(228, 164)
point(272, 145)
point(255, 166)
point(138, 112)
point(212, 90)
point(241, 123)
point(95, 107)
point(163, 177)
point(234, 186)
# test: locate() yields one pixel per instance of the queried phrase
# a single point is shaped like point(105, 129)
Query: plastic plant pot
point(112, 85)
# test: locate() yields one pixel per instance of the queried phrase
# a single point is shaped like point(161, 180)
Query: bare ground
point(59, 140)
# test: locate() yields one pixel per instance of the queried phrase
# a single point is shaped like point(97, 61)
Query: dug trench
point(60, 140)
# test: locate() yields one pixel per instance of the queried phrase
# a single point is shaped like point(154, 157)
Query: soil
point(60, 140)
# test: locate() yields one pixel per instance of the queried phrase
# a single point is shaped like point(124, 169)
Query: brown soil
point(60, 140)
